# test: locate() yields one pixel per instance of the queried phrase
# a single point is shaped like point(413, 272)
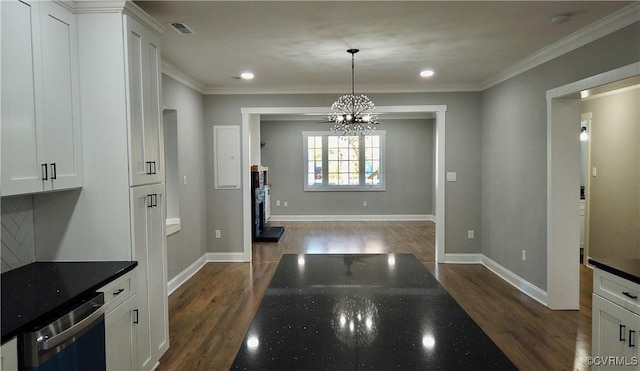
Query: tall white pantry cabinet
point(120, 212)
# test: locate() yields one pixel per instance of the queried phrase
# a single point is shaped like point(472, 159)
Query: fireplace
point(260, 230)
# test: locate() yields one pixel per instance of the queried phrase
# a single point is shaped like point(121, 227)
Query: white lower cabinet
point(150, 251)
point(120, 322)
point(615, 329)
point(9, 355)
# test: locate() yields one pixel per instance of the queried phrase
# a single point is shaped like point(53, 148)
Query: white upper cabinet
point(146, 147)
point(41, 138)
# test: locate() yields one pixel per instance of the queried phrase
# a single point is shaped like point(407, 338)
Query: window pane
point(342, 163)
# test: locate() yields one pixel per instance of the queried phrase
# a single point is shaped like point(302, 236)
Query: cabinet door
point(61, 97)
point(9, 355)
point(612, 340)
point(141, 201)
point(146, 147)
point(150, 252)
point(22, 120)
point(120, 336)
point(158, 300)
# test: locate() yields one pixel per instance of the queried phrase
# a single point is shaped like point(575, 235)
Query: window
point(343, 162)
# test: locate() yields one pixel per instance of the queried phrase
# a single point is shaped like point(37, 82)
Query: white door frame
point(252, 114)
point(563, 156)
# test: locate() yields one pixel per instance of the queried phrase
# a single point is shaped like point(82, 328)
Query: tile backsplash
point(18, 239)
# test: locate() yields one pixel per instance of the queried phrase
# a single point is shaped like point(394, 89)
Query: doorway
point(251, 147)
point(563, 174)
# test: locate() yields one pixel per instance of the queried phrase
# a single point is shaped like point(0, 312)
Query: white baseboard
point(463, 258)
point(184, 276)
point(211, 257)
point(226, 257)
point(513, 279)
point(350, 218)
point(516, 281)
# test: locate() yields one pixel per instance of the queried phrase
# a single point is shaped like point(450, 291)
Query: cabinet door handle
point(118, 292)
point(149, 200)
point(154, 167)
point(149, 167)
point(632, 339)
point(155, 200)
point(629, 295)
point(45, 172)
point(621, 336)
point(54, 172)
point(135, 316)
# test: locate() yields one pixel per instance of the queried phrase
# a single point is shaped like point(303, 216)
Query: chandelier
point(353, 114)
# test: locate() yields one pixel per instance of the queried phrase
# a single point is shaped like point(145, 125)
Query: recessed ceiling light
point(561, 18)
point(427, 73)
point(246, 75)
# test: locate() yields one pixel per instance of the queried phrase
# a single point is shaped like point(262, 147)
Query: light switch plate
point(452, 176)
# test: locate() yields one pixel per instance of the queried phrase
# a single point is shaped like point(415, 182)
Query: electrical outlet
point(524, 255)
point(364, 203)
point(286, 203)
point(218, 233)
point(471, 234)
point(277, 202)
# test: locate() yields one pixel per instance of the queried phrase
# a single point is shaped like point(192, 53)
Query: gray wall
point(514, 158)
point(189, 244)
point(409, 165)
point(462, 156)
point(614, 197)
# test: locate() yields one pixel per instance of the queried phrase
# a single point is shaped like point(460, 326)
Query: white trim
point(513, 279)
point(184, 276)
point(339, 89)
point(226, 257)
point(173, 227)
point(607, 25)
point(350, 218)
point(562, 224)
point(248, 113)
point(180, 76)
point(464, 258)
point(516, 281)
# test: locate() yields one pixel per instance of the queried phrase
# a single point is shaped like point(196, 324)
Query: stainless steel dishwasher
point(74, 341)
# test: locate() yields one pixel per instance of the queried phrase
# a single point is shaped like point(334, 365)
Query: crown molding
point(120, 6)
point(177, 74)
point(344, 89)
point(607, 25)
point(613, 22)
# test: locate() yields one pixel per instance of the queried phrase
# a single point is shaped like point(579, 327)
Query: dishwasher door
point(75, 341)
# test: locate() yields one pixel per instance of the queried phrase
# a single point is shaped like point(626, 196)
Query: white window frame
point(325, 187)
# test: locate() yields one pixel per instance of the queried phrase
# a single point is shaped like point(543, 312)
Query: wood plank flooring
point(209, 315)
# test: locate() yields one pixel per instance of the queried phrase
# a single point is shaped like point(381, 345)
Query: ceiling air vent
point(181, 28)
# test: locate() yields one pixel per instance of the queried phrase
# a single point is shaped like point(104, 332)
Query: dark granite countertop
point(35, 292)
point(626, 268)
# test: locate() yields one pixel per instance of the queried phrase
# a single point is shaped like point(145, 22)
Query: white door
point(148, 218)
point(158, 314)
point(141, 201)
point(145, 124)
point(61, 97)
point(24, 166)
point(611, 334)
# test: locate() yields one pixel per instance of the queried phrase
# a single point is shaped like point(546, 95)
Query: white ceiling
point(294, 46)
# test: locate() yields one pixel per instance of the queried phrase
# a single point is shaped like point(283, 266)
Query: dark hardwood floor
point(209, 314)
